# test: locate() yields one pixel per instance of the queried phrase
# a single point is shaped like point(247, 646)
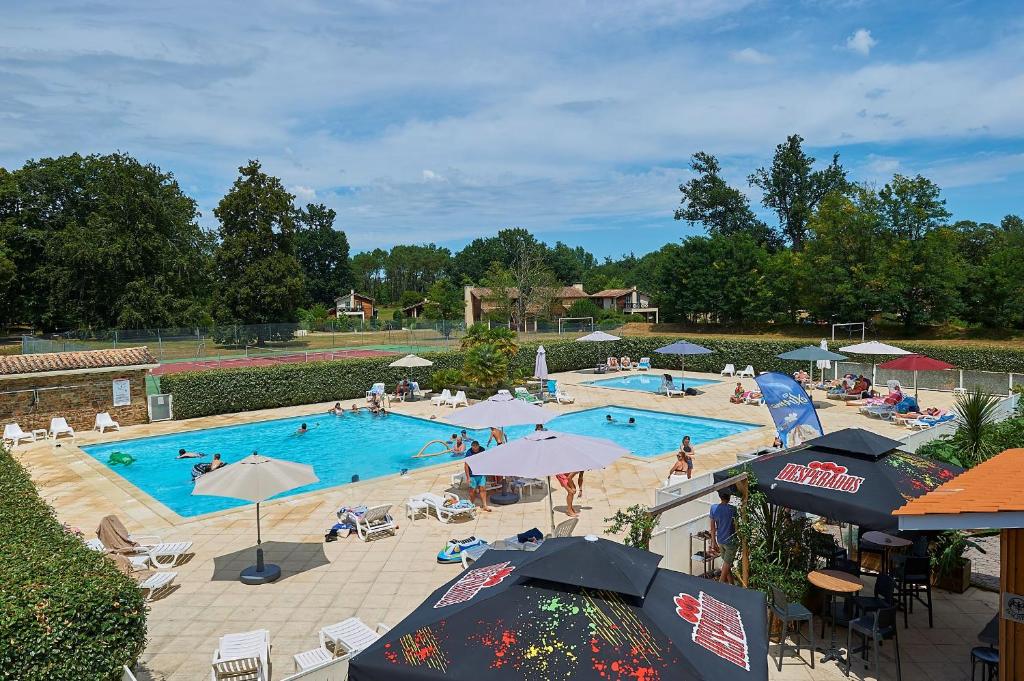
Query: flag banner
point(791, 408)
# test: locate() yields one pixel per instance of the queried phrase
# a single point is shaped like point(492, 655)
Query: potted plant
point(950, 569)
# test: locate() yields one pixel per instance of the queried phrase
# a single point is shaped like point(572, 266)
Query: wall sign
point(122, 392)
point(1013, 607)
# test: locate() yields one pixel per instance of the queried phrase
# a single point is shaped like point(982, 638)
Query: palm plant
point(976, 417)
point(485, 366)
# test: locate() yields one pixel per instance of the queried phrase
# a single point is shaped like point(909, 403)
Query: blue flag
point(791, 408)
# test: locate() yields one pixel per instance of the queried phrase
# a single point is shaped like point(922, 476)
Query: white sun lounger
point(672, 391)
point(151, 552)
point(15, 435)
point(350, 637)
point(242, 656)
point(562, 397)
point(439, 400)
point(446, 514)
point(59, 426)
point(156, 583)
point(458, 399)
point(748, 372)
point(376, 520)
point(103, 422)
point(729, 370)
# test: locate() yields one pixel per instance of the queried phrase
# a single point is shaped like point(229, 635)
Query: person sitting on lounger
point(738, 394)
point(182, 454)
point(402, 388)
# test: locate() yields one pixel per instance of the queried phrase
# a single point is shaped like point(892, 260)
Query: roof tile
point(69, 361)
point(991, 486)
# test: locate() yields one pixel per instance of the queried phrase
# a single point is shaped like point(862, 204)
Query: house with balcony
point(627, 301)
point(481, 304)
point(355, 305)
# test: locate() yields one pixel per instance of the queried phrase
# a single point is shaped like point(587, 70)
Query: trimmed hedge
point(224, 391)
point(65, 611)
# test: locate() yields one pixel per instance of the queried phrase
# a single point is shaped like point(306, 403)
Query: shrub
point(65, 611)
point(445, 378)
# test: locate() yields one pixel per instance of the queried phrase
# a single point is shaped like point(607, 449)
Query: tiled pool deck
point(382, 581)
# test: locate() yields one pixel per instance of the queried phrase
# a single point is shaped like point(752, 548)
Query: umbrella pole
point(261, 573)
point(551, 506)
point(259, 542)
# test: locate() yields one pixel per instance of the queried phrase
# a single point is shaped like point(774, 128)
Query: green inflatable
point(120, 458)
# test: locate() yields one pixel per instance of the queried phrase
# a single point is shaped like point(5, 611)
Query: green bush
point(65, 611)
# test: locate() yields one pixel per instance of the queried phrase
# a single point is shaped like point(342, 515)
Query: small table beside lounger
point(834, 582)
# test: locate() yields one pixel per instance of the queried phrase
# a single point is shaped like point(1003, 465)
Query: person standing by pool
point(686, 449)
point(723, 534)
point(477, 483)
point(569, 485)
point(497, 436)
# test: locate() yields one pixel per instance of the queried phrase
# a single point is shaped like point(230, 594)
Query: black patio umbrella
point(534, 615)
point(852, 475)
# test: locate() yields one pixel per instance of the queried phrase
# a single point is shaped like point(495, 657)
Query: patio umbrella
point(570, 610)
point(540, 364)
point(545, 453)
point(916, 363)
point(256, 478)
point(684, 348)
point(500, 411)
point(411, 361)
point(812, 354)
point(851, 475)
point(874, 348)
point(597, 337)
point(823, 363)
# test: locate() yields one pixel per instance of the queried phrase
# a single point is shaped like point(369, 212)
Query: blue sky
point(443, 121)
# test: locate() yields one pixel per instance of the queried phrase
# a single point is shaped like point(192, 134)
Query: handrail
point(669, 505)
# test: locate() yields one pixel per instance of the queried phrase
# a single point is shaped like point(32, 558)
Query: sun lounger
point(753, 398)
point(112, 536)
point(613, 364)
point(59, 426)
point(564, 528)
point(242, 656)
point(439, 400)
point(525, 395)
point(644, 364)
point(528, 484)
point(447, 507)
point(929, 421)
point(376, 520)
point(562, 397)
point(311, 659)
point(103, 422)
point(350, 637)
point(669, 386)
point(458, 399)
point(748, 372)
point(625, 363)
point(504, 393)
point(474, 553)
point(156, 583)
point(729, 370)
point(14, 435)
point(881, 411)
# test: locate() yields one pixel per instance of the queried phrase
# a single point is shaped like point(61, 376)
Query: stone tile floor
point(383, 580)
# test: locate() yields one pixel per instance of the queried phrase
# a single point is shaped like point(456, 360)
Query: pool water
point(340, 447)
point(648, 383)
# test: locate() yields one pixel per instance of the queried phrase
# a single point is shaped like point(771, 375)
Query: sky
point(431, 121)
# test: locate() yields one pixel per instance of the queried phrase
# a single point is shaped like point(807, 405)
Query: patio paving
point(383, 580)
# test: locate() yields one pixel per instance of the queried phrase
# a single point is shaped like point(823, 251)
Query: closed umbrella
point(874, 348)
point(684, 348)
point(545, 453)
point(256, 478)
point(823, 363)
point(410, 361)
point(916, 363)
point(812, 354)
point(598, 337)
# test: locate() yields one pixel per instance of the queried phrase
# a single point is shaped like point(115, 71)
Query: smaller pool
point(647, 383)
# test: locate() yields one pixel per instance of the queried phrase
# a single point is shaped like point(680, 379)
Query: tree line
point(105, 241)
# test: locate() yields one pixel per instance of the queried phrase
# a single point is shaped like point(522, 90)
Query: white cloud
point(748, 55)
point(302, 193)
point(861, 42)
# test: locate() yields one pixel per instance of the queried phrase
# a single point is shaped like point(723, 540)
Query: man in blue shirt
point(723, 534)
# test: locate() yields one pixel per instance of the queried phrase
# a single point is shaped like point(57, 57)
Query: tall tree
point(258, 277)
point(708, 200)
point(446, 304)
point(568, 264)
point(322, 251)
point(102, 241)
point(993, 292)
point(368, 270)
point(793, 189)
point(912, 206)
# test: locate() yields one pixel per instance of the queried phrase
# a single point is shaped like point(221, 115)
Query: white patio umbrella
point(410, 361)
point(597, 337)
point(256, 478)
point(500, 411)
point(545, 453)
point(874, 348)
point(540, 364)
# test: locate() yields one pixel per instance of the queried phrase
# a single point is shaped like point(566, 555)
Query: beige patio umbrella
point(256, 478)
point(410, 361)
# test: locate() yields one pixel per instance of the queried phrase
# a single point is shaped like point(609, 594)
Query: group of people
point(338, 410)
point(852, 386)
point(215, 463)
point(741, 394)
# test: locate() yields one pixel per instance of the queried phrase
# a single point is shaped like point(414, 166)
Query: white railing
point(1007, 409)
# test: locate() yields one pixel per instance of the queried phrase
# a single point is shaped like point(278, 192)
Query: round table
point(887, 542)
point(834, 582)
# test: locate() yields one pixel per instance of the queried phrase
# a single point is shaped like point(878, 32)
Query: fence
point(993, 382)
point(239, 341)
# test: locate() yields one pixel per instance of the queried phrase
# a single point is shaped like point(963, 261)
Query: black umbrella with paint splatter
point(577, 608)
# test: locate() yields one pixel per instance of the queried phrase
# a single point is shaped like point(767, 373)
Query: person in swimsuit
point(477, 483)
point(497, 437)
point(337, 409)
point(217, 463)
point(569, 485)
point(686, 449)
point(457, 447)
point(182, 454)
point(680, 467)
point(303, 429)
point(738, 394)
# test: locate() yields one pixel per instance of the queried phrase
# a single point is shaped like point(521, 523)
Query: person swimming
point(217, 463)
point(354, 408)
point(608, 418)
point(302, 430)
point(182, 454)
point(337, 409)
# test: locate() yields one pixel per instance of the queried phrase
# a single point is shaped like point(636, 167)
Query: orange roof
point(48, 362)
point(611, 293)
point(990, 487)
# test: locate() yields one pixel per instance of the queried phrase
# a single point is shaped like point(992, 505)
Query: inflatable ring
point(422, 455)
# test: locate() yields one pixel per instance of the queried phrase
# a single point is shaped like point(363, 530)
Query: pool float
point(199, 470)
point(423, 453)
point(120, 458)
point(452, 552)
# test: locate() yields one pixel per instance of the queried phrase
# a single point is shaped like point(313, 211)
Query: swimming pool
point(340, 447)
point(648, 383)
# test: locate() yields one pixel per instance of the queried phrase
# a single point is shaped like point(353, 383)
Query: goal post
point(585, 324)
point(851, 329)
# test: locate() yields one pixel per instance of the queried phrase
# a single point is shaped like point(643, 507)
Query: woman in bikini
point(686, 449)
point(569, 485)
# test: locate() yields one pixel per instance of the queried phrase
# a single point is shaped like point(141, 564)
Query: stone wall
point(76, 397)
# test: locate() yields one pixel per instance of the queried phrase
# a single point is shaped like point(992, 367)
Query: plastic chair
point(879, 626)
point(787, 612)
point(989, 659)
point(913, 577)
point(884, 596)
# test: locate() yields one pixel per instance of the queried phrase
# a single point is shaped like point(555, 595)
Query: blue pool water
point(361, 444)
point(648, 383)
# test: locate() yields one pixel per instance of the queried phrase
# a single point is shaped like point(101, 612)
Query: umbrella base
point(251, 575)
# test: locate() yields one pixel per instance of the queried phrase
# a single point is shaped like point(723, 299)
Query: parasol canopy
point(684, 348)
point(916, 363)
point(500, 411)
point(411, 361)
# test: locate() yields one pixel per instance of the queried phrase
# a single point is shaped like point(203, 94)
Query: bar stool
point(787, 612)
point(989, 659)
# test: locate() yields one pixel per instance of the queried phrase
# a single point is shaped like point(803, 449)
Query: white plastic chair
point(375, 389)
point(748, 372)
point(103, 421)
point(729, 370)
point(243, 655)
point(440, 400)
point(563, 397)
point(15, 435)
point(59, 426)
point(459, 399)
point(351, 635)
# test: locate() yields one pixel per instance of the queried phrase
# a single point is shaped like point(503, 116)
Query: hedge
point(65, 611)
point(224, 391)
